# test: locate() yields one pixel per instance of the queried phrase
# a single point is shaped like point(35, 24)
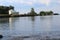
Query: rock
point(1, 36)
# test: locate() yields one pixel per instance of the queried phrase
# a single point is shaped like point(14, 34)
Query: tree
point(5, 9)
point(42, 13)
point(11, 7)
point(46, 13)
point(32, 12)
point(50, 12)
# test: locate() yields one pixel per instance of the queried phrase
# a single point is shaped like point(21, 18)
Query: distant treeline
point(41, 13)
point(5, 10)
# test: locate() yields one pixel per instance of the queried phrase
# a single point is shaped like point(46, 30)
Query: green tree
point(42, 13)
point(50, 13)
point(11, 7)
point(32, 12)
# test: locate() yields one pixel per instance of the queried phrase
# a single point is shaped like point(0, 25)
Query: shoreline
point(21, 15)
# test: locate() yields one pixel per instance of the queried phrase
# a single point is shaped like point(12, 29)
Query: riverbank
point(23, 15)
point(6, 15)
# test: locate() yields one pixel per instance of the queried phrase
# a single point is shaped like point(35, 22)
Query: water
point(30, 28)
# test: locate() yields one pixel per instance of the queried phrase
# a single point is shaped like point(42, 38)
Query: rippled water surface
point(30, 28)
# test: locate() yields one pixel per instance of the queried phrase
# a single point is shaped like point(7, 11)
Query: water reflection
point(4, 20)
point(46, 23)
point(35, 27)
point(6, 25)
point(33, 18)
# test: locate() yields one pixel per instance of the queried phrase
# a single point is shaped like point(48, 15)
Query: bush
point(43, 13)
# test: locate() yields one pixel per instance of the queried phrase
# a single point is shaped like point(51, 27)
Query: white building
point(12, 12)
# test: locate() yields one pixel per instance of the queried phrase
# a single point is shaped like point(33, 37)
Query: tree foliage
point(43, 13)
point(11, 7)
point(32, 12)
point(5, 9)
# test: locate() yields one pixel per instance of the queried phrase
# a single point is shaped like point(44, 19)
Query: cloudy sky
point(24, 6)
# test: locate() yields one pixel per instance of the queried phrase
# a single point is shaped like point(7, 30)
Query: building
point(5, 9)
point(13, 12)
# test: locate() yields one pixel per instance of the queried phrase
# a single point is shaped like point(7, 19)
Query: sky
point(24, 6)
